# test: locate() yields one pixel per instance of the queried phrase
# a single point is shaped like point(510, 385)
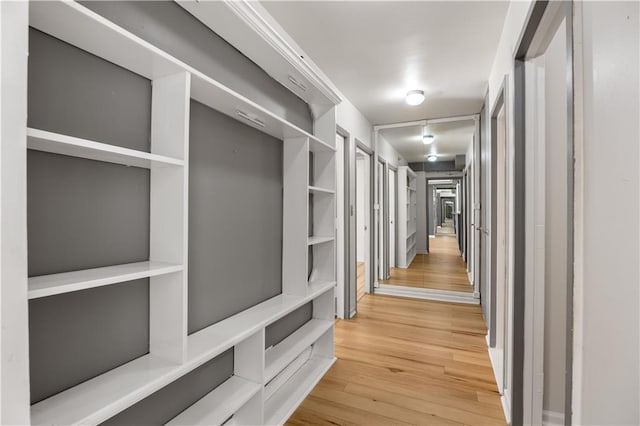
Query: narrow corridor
point(442, 269)
point(407, 361)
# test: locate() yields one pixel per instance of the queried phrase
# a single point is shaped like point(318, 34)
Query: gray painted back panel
point(84, 214)
point(76, 336)
point(162, 406)
point(235, 217)
point(172, 29)
point(78, 94)
point(282, 328)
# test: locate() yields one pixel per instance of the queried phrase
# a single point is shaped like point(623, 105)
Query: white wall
point(350, 119)
point(606, 293)
point(503, 65)
point(503, 61)
point(388, 153)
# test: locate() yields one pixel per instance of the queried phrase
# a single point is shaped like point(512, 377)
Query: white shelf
point(280, 355)
point(49, 285)
point(317, 145)
point(322, 283)
point(319, 240)
point(318, 190)
point(81, 27)
point(219, 404)
point(102, 397)
point(285, 400)
point(41, 140)
point(411, 233)
point(215, 339)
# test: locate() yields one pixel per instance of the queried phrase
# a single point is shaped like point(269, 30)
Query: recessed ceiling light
point(432, 157)
point(415, 97)
point(428, 139)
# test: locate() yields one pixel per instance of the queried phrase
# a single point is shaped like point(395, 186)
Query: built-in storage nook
point(181, 253)
point(407, 216)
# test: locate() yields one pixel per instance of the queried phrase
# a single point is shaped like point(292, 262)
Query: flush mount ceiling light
point(432, 157)
point(428, 139)
point(415, 97)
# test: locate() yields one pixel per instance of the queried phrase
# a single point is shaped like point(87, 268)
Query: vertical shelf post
point(295, 215)
point(168, 222)
point(14, 343)
point(249, 364)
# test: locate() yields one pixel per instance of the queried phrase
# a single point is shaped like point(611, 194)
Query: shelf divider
point(319, 240)
point(280, 355)
point(286, 399)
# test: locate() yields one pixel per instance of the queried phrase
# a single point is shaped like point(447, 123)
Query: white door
point(392, 218)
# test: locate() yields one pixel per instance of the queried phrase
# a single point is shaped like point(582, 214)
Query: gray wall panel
point(171, 28)
point(162, 406)
point(235, 217)
point(78, 94)
point(76, 336)
point(282, 328)
point(84, 214)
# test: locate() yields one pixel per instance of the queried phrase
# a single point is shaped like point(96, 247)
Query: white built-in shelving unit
point(267, 384)
point(407, 216)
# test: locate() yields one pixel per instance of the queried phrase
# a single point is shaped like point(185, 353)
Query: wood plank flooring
point(442, 269)
point(407, 361)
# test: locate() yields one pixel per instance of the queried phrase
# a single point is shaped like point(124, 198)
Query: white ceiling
point(451, 139)
point(375, 52)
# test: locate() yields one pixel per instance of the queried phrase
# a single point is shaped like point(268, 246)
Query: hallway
point(442, 269)
point(407, 361)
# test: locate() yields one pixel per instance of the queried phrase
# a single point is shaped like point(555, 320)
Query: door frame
point(524, 377)
point(344, 310)
point(372, 174)
point(382, 219)
point(394, 169)
point(500, 103)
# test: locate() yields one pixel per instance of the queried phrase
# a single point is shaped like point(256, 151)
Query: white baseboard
point(428, 294)
point(552, 418)
point(506, 407)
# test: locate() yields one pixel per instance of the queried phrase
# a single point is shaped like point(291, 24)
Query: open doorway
point(431, 229)
point(363, 221)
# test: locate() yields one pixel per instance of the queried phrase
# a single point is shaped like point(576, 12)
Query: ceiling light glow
point(432, 157)
point(428, 139)
point(415, 97)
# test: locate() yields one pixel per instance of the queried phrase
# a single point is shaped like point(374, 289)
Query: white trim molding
point(249, 27)
point(552, 418)
point(427, 293)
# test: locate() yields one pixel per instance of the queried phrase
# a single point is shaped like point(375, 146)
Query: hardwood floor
point(442, 269)
point(407, 361)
